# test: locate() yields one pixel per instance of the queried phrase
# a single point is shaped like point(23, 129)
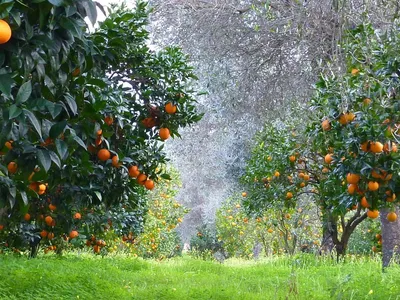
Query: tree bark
point(390, 238)
point(327, 244)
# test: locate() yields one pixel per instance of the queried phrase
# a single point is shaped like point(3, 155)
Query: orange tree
point(359, 129)
point(83, 117)
point(276, 230)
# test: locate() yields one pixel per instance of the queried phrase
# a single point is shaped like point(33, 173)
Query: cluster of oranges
point(96, 244)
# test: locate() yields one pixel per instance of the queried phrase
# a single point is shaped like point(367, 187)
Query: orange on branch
point(392, 216)
point(134, 171)
point(373, 214)
point(104, 154)
point(5, 32)
point(12, 167)
point(373, 186)
point(164, 133)
point(352, 178)
point(170, 108)
point(376, 147)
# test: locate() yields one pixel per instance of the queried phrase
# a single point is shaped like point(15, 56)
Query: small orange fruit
point(354, 71)
point(133, 171)
point(373, 214)
point(352, 188)
point(108, 120)
point(104, 154)
point(170, 108)
point(364, 203)
point(77, 216)
point(149, 184)
point(376, 147)
point(306, 177)
point(141, 179)
point(326, 125)
point(9, 144)
point(352, 178)
point(365, 146)
point(392, 216)
point(115, 161)
point(5, 32)
point(244, 194)
point(43, 234)
point(367, 101)
point(76, 72)
point(48, 220)
point(73, 234)
point(27, 217)
point(328, 158)
point(12, 167)
point(96, 249)
point(52, 207)
point(277, 174)
point(164, 133)
point(289, 195)
point(373, 186)
point(292, 158)
point(325, 170)
point(99, 132)
point(50, 236)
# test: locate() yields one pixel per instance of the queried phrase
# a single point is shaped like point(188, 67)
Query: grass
point(87, 277)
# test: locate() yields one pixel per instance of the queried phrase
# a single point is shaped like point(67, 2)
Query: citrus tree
point(357, 128)
point(83, 118)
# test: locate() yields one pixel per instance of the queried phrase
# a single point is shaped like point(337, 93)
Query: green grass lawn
point(87, 277)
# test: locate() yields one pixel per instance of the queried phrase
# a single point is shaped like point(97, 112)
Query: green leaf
point(14, 112)
point(71, 103)
point(57, 129)
point(55, 159)
point(91, 11)
point(98, 194)
point(24, 92)
point(32, 118)
point(62, 149)
point(44, 159)
point(57, 2)
point(24, 197)
point(6, 82)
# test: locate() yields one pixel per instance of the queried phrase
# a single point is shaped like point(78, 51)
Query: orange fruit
point(12, 167)
point(149, 184)
point(33, 186)
point(325, 170)
point(48, 220)
point(98, 141)
point(289, 195)
point(164, 133)
point(378, 236)
point(352, 178)
point(141, 179)
point(342, 119)
point(326, 125)
point(270, 230)
point(328, 158)
point(9, 144)
point(351, 188)
point(364, 203)
point(50, 235)
point(77, 216)
point(76, 72)
point(392, 216)
point(5, 32)
point(373, 214)
point(149, 122)
point(365, 146)
point(302, 184)
point(42, 187)
point(99, 132)
point(277, 174)
point(96, 249)
point(73, 234)
point(376, 147)
point(43, 234)
point(244, 194)
point(306, 177)
point(52, 207)
point(354, 71)
point(350, 117)
point(108, 120)
point(27, 217)
point(390, 147)
point(104, 154)
point(373, 186)
point(367, 101)
point(133, 171)
point(115, 161)
point(170, 108)
point(374, 249)
point(292, 158)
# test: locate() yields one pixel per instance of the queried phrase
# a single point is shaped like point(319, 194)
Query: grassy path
point(88, 277)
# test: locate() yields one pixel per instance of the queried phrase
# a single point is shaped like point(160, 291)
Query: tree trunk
point(327, 244)
point(390, 237)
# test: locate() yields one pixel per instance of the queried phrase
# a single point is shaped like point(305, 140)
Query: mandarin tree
point(80, 117)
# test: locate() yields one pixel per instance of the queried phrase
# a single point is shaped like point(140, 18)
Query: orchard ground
point(305, 276)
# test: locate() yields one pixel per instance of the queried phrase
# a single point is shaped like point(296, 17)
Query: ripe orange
point(289, 195)
point(43, 234)
point(52, 207)
point(141, 179)
point(325, 170)
point(352, 188)
point(98, 141)
point(9, 144)
point(292, 158)
point(244, 194)
point(350, 117)
point(133, 171)
point(5, 32)
point(392, 217)
point(270, 230)
point(373, 186)
point(149, 184)
point(76, 72)
point(364, 203)
point(96, 249)
point(50, 235)
point(27, 217)
point(354, 71)
point(374, 249)
point(352, 178)
point(326, 125)
point(170, 108)
point(306, 177)
point(342, 119)
point(77, 216)
point(373, 214)
point(277, 174)
point(73, 234)
point(378, 236)
point(390, 147)
point(104, 154)
point(328, 158)
point(376, 147)
point(115, 161)
point(149, 122)
point(108, 120)
point(302, 184)
point(367, 101)
point(12, 167)
point(99, 132)
point(48, 220)
point(365, 146)
point(164, 133)
point(42, 187)
point(301, 175)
